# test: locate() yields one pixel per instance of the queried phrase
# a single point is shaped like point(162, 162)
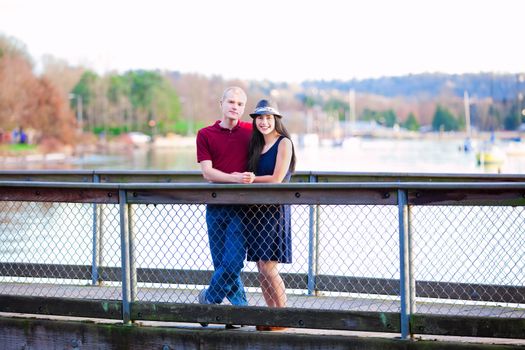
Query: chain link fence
point(469, 260)
point(466, 260)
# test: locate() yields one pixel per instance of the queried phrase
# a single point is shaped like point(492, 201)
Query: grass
point(17, 149)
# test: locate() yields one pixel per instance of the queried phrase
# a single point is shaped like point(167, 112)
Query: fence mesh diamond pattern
point(467, 260)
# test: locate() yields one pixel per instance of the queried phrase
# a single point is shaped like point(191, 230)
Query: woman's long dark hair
point(257, 144)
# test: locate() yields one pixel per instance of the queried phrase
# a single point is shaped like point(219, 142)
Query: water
point(457, 244)
point(359, 155)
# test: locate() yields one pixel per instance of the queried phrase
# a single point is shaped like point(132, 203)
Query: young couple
point(233, 151)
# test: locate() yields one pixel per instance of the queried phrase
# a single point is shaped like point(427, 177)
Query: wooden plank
point(349, 196)
point(468, 326)
point(109, 309)
point(489, 197)
point(152, 178)
point(47, 177)
point(448, 325)
point(65, 195)
point(34, 333)
point(287, 317)
point(422, 177)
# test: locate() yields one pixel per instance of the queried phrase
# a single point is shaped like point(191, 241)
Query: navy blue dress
point(269, 236)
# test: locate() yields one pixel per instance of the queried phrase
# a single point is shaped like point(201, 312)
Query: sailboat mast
point(467, 112)
point(351, 111)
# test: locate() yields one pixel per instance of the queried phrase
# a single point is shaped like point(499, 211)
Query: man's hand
point(244, 178)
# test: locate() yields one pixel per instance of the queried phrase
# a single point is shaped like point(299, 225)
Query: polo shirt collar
point(218, 126)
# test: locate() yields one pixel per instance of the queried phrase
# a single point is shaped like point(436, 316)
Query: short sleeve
point(203, 149)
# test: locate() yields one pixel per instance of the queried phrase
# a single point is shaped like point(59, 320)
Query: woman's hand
point(244, 178)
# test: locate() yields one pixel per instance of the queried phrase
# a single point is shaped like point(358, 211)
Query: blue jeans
point(228, 251)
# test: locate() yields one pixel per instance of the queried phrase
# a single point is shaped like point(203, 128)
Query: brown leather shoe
point(270, 328)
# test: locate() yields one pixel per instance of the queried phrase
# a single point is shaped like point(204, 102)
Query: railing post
point(404, 270)
point(132, 266)
point(96, 241)
point(313, 247)
point(411, 271)
point(124, 249)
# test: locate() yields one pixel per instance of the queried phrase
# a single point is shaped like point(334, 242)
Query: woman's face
point(265, 123)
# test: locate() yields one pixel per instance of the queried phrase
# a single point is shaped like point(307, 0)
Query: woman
point(272, 159)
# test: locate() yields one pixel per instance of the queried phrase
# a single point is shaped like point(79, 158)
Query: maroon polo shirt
point(227, 149)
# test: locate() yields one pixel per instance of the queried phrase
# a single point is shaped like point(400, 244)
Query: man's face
point(233, 105)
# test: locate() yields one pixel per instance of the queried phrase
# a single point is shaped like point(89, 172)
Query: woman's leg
point(272, 284)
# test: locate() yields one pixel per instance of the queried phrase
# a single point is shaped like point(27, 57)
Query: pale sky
point(279, 40)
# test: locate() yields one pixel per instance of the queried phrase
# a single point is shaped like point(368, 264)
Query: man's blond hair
point(235, 89)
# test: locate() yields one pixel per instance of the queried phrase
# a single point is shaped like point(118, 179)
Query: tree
point(63, 76)
point(513, 119)
point(30, 102)
point(338, 106)
point(411, 123)
point(166, 108)
point(444, 120)
point(119, 104)
point(17, 82)
point(52, 116)
point(85, 90)
point(387, 118)
point(142, 86)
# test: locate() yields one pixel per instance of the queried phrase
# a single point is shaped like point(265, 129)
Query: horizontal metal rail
point(120, 176)
point(378, 193)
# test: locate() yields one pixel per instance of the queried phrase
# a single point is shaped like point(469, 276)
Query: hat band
point(265, 110)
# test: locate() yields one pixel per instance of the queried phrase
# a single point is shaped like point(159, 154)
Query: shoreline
point(103, 151)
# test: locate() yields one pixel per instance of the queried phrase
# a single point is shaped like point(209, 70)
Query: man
point(222, 151)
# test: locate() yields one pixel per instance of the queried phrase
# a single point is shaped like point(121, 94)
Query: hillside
point(500, 87)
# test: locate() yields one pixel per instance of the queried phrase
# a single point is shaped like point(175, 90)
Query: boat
point(490, 153)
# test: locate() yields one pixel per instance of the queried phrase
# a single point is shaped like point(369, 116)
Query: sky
point(276, 40)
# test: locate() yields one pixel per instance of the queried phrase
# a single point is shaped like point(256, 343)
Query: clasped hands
point(244, 178)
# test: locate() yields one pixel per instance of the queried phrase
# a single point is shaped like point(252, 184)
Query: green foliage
point(390, 118)
point(181, 127)
point(98, 129)
point(308, 101)
point(118, 130)
point(84, 87)
point(387, 118)
point(411, 123)
point(166, 105)
point(142, 100)
point(142, 87)
point(338, 106)
point(444, 120)
point(18, 148)
point(513, 119)
point(119, 86)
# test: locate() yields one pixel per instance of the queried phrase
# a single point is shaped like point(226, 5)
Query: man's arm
point(213, 175)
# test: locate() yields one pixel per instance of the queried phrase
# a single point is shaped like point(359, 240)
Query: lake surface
point(359, 155)
point(455, 244)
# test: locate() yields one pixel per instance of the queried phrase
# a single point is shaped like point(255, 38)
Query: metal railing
point(381, 252)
